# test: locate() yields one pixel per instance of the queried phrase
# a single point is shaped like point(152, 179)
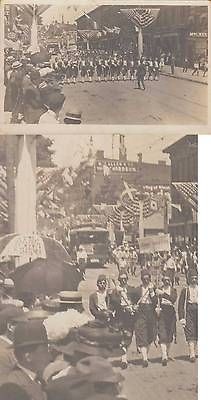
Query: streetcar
point(94, 240)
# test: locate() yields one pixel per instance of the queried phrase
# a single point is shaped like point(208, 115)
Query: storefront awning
point(189, 191)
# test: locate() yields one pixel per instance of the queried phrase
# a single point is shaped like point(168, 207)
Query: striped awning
point(189, 191)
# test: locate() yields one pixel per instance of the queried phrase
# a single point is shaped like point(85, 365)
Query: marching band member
point(188, 312)
point(167, 297)
point(83, 70)
point(121, 301)
point(146, 318)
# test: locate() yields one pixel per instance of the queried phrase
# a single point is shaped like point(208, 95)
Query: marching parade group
point(71, 368)
point(149, 310)
point(33, 90)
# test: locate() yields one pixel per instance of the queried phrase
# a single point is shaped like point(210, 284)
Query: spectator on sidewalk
point(185, 65)
point(173, 60)
point(205, 68)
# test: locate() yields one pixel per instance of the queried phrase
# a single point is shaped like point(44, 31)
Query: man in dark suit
point(140, 74)
point(32, 355)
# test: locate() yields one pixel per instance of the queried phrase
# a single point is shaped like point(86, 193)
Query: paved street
point(177, 381)
point(168, 101)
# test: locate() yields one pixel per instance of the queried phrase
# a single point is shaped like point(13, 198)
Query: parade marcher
point(32, 355)
point(99, 70)
point(156, 69)
point(188, 312)
point(195, 68)
point(133, 259)
point(83, 70)
point(81, 256)
point(106, 70)
point(171, 268)
point(132, 70)
point(99, 300)
point(90, 70)
point(167, 297)
point(140, 74)
point(124, 69)
point(150, 68)
point(146, 318)
point(122, 300)
point(185, 65)
point(74, 71)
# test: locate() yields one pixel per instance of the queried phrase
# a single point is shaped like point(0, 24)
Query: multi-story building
point(184, 188)
point(181, 30)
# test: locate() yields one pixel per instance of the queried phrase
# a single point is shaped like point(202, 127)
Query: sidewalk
point(187, 76)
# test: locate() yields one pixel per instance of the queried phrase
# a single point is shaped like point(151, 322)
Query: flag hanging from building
point(141, 17)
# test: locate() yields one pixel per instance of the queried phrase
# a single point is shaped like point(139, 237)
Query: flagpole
point(140, 43)
point(141, 219)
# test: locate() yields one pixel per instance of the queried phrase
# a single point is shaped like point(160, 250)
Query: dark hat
point(101, 278)
point(12, 391)
point(98, 369)
point(72, 118)
point(34, 75)
point(145, 272)
point(78, 347)
point(29, 333)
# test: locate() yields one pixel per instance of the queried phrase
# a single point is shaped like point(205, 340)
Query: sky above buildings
point(71, 149)
point(69, 12)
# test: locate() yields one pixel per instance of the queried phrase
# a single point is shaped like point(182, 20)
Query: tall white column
point(25, 186)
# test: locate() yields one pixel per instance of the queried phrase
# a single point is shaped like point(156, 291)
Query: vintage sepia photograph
point(106, 64)
point(99, 266)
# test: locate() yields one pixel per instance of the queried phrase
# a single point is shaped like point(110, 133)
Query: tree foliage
point(44, 151)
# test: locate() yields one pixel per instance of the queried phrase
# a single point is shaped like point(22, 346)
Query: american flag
point(141, 17)
point(89, 34)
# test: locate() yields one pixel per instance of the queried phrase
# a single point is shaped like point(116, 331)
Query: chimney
point(140, 158)
point(122, 148)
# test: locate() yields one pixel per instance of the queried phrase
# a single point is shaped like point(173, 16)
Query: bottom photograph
point(98, 267)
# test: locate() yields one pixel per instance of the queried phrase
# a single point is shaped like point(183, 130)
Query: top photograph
point(108, 64)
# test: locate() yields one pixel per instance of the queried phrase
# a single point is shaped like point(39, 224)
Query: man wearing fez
point(146, 318)
point(99, 300)
point(121, 301)
point(32, 355)
point(188, 312)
